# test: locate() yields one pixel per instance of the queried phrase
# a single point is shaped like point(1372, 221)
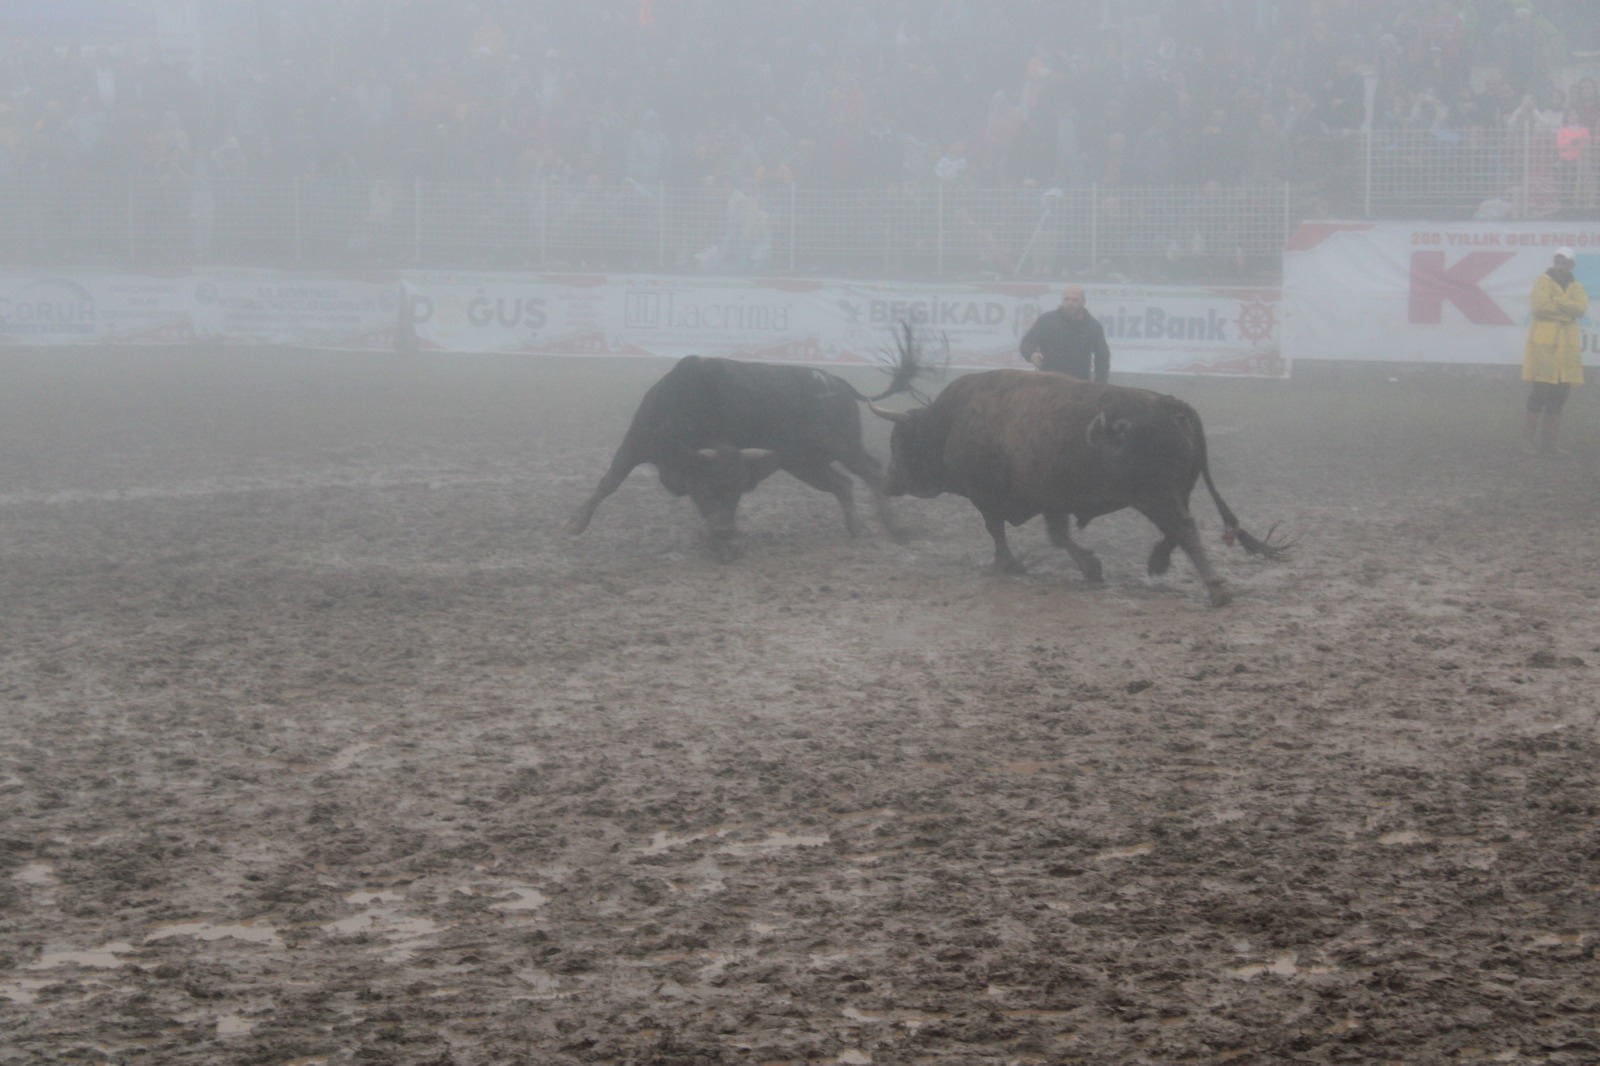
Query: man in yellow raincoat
point(1553, 359)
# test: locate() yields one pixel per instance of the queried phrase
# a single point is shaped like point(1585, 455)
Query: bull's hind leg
point(1161, 556)
point(820, 474)
point(1178, 530)
point(1059, 525)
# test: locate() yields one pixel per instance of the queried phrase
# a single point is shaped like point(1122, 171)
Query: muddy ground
point(320, 743)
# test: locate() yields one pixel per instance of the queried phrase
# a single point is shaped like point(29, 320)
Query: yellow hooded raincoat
point(1555, 348)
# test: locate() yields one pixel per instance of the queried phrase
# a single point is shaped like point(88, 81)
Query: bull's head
point(916, 458)
point(716, 478)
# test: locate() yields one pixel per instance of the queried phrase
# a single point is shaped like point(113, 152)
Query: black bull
point(714, 428)
point(1019, 443)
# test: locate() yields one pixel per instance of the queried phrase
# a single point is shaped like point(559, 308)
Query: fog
point(336, 726)
point(1156, 141)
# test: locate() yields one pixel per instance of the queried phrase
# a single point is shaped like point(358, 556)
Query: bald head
point(1072, 299)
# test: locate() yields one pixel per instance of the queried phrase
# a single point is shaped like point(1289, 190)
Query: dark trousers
point(1548, 397)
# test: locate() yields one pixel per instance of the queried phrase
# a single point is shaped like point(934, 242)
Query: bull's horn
point(706, 453)
point(755, 455)
point(883, 412)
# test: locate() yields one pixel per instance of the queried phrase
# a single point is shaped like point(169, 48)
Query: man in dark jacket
point(1069, 340)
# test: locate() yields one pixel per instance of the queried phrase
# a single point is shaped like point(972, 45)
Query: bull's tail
point(904, 366)
point(1233, 533)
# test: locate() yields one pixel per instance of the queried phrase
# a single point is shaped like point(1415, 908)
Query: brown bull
point(1018, 443)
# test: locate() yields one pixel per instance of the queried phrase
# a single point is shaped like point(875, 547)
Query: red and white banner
point(1425, 293)
point(1154, 329)
point(1151, 329)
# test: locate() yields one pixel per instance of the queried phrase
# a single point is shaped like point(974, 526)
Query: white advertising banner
point(1425, 293)
point(234, 306)
point(1154, 329)
point(94, 308)
point(341, 311)
point(1151, 329)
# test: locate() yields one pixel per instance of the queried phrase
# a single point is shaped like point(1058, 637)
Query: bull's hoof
point(723, 551)
point(575, 525)
point(1009, 566)
point(1220, 596)
point(1092, 571)
point(898, 534)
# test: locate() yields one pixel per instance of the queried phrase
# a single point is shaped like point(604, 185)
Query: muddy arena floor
point(321, 743)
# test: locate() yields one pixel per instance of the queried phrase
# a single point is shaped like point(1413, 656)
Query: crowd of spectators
point(829, 94)
point(841, 93)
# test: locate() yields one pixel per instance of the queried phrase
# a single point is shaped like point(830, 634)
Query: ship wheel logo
point(1256, 321)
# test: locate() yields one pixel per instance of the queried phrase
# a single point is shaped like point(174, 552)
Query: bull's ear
point(705, 454)
point(759, 464)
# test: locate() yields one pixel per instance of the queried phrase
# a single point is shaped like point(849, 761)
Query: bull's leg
point(865, 467)
point(820, 474)
point(1161, 556)
point(1177, 525)
point(1059, 525)
point(622, 464)
point(1004, 561)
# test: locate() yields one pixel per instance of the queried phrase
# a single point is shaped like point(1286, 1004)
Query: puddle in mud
point(403, 933)
point(384, 922)
point(541, 985)
point(346, 758)
point(35, 873)
point(378, 895)
point(1402, 837)
point(250, 932)
point(665, 841)
point(1282, 966)
point(24, 993)
point(527, 899)
point(773, 841)
point(102, 958)
point(909, 1019)
point(233, 1025)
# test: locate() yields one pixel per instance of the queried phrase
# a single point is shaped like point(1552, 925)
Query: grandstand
point(1156, 141)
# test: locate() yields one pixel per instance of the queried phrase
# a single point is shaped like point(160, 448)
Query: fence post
point(939, 258)
point(133, 243)
point(416, 220)
point(544, 221)
point(1366, 194)
point(1527, 170)
point(794, 204)
point(1288, 220)
point(661, 226)
point(299, 247)
point(1094, 229)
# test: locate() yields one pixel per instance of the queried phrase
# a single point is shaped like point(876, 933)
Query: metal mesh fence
point(1213, 233)
point(1524, 172)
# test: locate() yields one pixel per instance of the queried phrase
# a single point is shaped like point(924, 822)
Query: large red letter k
point(1432, 284)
